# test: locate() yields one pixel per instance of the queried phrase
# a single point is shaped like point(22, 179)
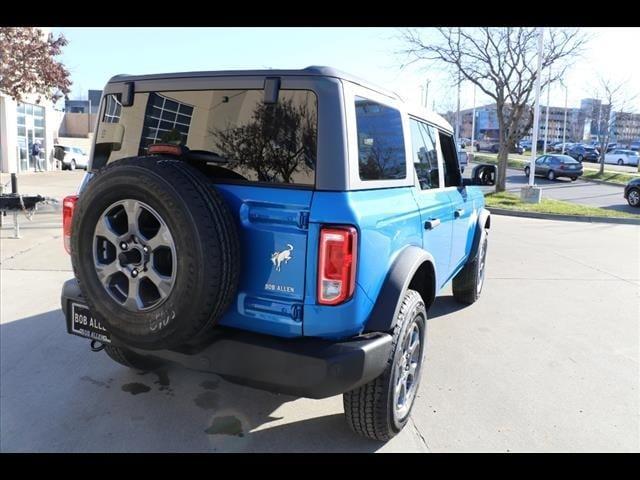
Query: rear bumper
point(569, 173)
point(305, 367)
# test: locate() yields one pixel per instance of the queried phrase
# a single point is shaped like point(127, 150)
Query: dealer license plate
point(82, 323)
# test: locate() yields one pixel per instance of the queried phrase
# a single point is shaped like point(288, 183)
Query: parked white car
point(70, 158)
point(622, 157)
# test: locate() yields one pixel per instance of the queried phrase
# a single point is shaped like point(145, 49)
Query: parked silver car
point(620, 156)
point(70, 158)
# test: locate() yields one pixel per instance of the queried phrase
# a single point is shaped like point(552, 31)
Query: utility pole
point(473, 119)
point(530, 194)
point(546, 122)
point(458, 109)
point(564, 130)
point(426, 95)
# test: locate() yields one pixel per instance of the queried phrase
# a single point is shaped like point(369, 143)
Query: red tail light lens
point(337, 261)
point(68, 206)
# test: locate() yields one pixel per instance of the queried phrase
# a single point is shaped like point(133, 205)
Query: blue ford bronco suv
point(285, 229)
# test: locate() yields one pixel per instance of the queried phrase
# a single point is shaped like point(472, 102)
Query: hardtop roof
point(313, 71)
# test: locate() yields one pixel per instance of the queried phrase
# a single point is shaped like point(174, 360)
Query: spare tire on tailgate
point(155, 250)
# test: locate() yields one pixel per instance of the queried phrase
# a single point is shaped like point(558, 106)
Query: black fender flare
point(385, 311)
point(484, 221)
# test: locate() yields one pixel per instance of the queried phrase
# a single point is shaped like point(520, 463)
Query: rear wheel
point(467, 284)
point(381, 408)
point(580, 157)
point(551, 175)
point(573, 179)
point(72, 166)
point(620, 161)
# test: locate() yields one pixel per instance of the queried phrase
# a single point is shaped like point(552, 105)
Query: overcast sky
point(95, 54)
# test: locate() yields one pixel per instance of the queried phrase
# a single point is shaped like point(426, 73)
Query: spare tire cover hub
point(134, 255)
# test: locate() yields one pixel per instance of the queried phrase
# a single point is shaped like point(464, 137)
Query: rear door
point(433, 201)
point(273, 228)
point(462, 210)
point(541, 165)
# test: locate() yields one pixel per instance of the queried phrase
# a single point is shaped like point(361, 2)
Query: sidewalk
point(57, 184)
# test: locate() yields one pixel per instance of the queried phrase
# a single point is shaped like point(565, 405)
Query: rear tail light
point(68, 206)
point(337, 261)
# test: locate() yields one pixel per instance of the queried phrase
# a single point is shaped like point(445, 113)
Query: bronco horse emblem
point(277, 258)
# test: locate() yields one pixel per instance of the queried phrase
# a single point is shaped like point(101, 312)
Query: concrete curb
point(570, 218)
point(603, 182)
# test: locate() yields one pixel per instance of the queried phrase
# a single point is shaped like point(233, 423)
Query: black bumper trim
point(305, 367)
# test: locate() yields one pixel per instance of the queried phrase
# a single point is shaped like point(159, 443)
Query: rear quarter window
point(381, 149)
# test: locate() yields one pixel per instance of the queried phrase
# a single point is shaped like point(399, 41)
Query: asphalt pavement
point(546, 360)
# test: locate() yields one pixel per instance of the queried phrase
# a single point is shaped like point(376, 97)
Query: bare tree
point(279, 141)
point(28, 64)
point(615, 105)
point(502, 63)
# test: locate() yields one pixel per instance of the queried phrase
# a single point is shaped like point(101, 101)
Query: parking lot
point(547, 360)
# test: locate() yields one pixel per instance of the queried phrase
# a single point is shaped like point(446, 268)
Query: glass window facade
point(30, 128)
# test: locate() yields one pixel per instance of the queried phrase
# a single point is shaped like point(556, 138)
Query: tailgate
point(273, 242)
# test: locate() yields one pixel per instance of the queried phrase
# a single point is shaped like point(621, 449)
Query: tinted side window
point(452, 176)
point(425, 156)
point(381, 154)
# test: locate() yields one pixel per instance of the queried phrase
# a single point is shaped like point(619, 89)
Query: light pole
point(564, 129)
point(458, 109)
point(530, 194)
point(546, 121)
point(473, 119)
point(426, 95)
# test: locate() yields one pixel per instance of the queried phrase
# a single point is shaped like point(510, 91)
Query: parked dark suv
point(581, 152)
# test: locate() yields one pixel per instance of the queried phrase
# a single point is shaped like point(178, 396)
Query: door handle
point(431, 224)
point(458, 213)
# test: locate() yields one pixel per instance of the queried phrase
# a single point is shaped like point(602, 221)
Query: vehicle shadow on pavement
point(444, 305)
point(58, 396)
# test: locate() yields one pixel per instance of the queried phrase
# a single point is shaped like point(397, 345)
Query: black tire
point(370, 409)
point(633, 197)
point(580, 157)
point(131, 359)
point(551, 175)
point(527, 171)
point(467, 284)
point(620, 162)
point(573, 179)
point(206, 245)
point(72, 165)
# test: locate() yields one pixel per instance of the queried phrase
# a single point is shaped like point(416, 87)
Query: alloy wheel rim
point(134, 255)
point(407, 372)
point(634, 197)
